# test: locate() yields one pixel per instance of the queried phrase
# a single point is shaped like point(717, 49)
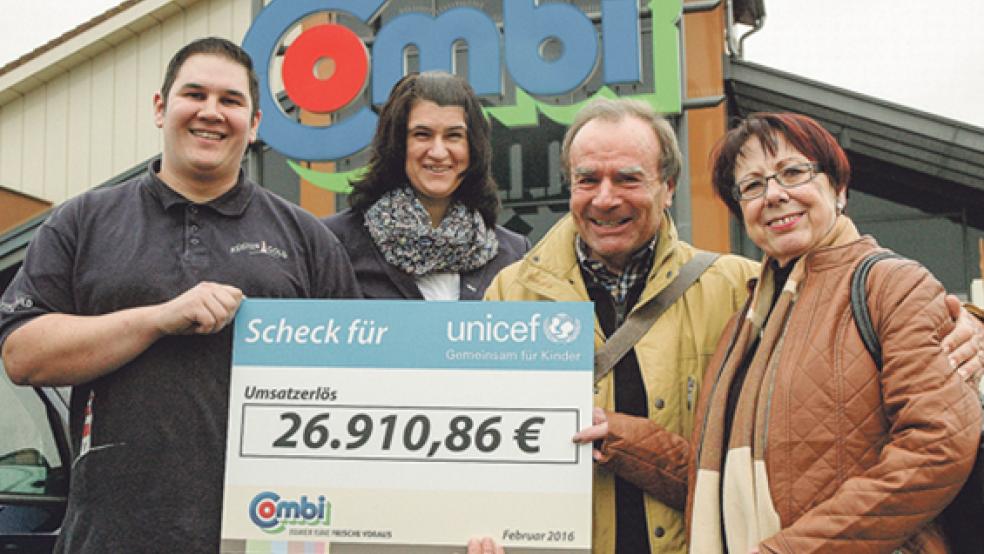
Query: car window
point(30, 463)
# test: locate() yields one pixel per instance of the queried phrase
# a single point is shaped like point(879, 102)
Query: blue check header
point(415, 334)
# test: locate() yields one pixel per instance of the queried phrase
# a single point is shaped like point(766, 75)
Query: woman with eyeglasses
point(803, 444)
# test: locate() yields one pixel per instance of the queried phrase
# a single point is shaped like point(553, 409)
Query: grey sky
point(27, 24)
point(926, 55)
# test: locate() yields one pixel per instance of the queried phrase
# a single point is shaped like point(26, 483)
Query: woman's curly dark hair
point(387, 163)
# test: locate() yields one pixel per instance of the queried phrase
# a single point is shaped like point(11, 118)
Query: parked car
point(35, 460)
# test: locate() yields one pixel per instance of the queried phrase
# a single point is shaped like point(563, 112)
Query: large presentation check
point(360, 426)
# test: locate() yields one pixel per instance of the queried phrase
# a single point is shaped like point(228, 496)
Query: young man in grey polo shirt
point(126, 294)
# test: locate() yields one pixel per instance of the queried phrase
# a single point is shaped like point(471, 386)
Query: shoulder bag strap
point(640, 320)
point(961, 519)
point(859, 304)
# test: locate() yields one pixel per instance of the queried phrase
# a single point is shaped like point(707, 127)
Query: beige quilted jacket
point(672, 356)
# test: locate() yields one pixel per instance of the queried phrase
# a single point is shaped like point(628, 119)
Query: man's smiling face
point(617, 194)
point(207, 120)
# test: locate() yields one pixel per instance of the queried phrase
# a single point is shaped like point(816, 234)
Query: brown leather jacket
point(858, 460)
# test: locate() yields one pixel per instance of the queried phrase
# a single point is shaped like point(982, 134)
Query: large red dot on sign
point(306, 54)
point(266, 509)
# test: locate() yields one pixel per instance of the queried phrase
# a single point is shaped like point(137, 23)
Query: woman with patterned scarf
point(803, 444)
point(422, 220)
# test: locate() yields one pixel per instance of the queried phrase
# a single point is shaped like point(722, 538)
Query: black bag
point(963, 519)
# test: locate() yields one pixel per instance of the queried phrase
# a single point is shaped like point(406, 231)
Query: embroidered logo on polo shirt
point(258, 248)
point(19, 302)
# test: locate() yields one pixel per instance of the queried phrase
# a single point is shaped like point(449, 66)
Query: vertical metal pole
point(682, 201)
point(554, 184)
point(968, 250)
point(254, 154)
point(516, 171)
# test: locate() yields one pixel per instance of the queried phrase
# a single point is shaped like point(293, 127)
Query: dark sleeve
point(335, 223)
point(512, 245)
point(332, 269)
point(44, 283)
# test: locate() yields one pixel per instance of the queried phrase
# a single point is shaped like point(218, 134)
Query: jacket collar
point(835, 249)
point(231, 204)
point(403, 281)
point(469, 288)
point(842, 247)
point(471, 281)
point(551, 268)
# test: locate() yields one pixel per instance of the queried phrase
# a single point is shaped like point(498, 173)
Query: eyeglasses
point(788, 177)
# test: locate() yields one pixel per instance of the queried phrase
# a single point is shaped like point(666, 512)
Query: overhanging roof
point(13, 243)
point(950, 154)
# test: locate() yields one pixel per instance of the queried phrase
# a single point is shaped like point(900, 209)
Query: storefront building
point(76, 113)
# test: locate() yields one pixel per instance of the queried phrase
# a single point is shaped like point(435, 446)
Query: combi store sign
point(499, 56)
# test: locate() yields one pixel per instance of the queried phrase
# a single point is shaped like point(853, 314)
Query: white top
point(440, 286)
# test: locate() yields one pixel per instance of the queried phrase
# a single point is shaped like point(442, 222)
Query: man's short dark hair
point(215, 46)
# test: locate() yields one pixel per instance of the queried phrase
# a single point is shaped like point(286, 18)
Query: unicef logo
point(561, 328)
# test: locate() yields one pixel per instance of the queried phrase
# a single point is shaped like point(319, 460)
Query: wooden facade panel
point(704, 47)
point(149, 72)
point(711, 230)
point(32, 161)
point(196, 21)
point(125, 108)
point(56, 139)
point(172, 38)
point(101, 132)
point(220, 15)
point(12, 144)
point(173, 31)
point(242, 18)
point(79, 129)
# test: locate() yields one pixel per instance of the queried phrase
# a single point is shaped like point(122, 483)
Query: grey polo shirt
point(152, 479)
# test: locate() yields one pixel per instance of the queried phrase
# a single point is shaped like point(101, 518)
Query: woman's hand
point(485, 545)
point(597, 432)
point(964, 346)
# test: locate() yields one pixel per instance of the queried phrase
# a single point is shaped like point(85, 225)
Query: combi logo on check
point(272, 514)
